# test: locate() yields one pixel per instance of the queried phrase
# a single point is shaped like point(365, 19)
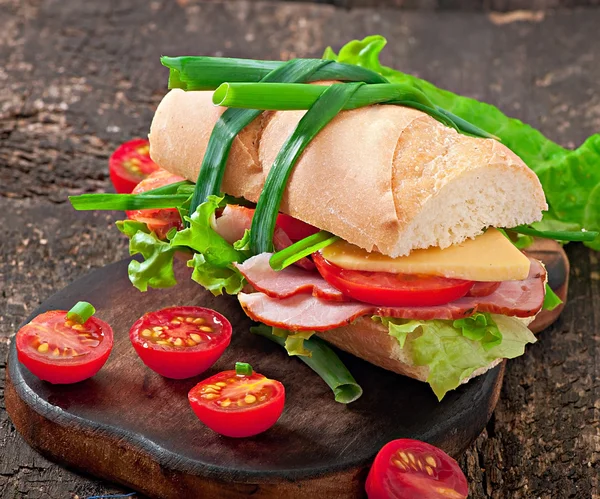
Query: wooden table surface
point(77, 78)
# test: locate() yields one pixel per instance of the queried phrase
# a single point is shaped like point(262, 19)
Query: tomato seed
point(43, 348)
point(196, 337)
point(430, 460)
point(162, 342)
point(178, 342)
point(210, 396)
point(412, 458)
point(198, 320)
point(78, 327)
point(190, 343)
point(210, 389)
point(56, 352)
point(157, 328)
point(207, 329)
point(249, 399)
point(398, 464)
point(189, 319)
point(176, 322)
point(420, 464)
point(146, 333)
point(156, 334)
point(226, 403)
point(69, 323)
point(404, 457)
point(429, 470)
point(221, 384)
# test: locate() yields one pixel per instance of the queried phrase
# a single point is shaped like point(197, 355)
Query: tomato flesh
point(180, 342)
point(62, 351)
point(392, 290)
point(237, 405)
point(162, 220)
point(130, 164)
point(294, 228)
point(411, 469)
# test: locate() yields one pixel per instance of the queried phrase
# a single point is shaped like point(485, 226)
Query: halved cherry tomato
point(392, 290)
point(130, 164)
point(180, 342)
point(238, 406)
point(62, 351)
point(411, 469)
point(162, 220)
point(294, 228)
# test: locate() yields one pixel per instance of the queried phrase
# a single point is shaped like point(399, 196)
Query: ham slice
point(306, 312)
point(287, 282)
point(235, 220)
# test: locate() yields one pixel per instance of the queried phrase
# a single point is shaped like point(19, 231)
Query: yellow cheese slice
point(488, 257)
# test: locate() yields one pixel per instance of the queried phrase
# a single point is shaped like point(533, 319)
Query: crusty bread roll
point(386, 178)
point(370, 341)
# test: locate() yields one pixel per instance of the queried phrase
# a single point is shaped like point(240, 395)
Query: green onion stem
point(120, 202)
point(81, 312)
point(300, 249)
point(579, 236)
point(325, 362)
point(243, 369)
point(326, 107)
point(169, 188)
point(207, 73)
point(297, 96)
point(233, 121)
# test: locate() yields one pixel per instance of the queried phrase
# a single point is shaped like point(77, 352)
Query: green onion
point(207, 73)
point(557, 234)
point(300, 249)
point(243, 369)
point(232, 122)
point(174, 188)
point(81, 312)
point(325, 362)
point(327, 106)
point(296, 96)
point(127, 201)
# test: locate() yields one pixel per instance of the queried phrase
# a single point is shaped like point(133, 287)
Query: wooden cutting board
point(130, 425)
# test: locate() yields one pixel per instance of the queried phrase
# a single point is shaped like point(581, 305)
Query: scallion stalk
point(207, 73)
point(578, 236)
point(325, 108)
point(81, 312)
point(233, 121)
point(301, 249)
point(325, 362)
point(121, 202)
point(243, 369)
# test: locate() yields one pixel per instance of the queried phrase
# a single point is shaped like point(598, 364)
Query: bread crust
point(379, 177)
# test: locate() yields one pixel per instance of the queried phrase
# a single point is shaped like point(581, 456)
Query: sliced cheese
point(488, 257)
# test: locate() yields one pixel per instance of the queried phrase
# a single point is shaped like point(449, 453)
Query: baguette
point(386, 178)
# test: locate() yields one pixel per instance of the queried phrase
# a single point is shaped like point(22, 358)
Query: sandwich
point(342, 209)
point(420, 279)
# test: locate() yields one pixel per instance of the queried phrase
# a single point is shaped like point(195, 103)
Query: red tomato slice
point(392, 290)
point(238, 406)
point(130, 164)
point(411, 469)
point(160, 221)
point(61, 351)
point(294, 228)
point(180, 342)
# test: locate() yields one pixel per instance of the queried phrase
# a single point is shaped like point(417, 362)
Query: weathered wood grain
point(77, 78)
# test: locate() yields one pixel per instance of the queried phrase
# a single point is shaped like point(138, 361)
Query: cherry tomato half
point(130, 164)
point(162, 220)
point(411, 469)
point(294, 228)
point(238, 405)
point(392, 290)
point(180, 342)
point(62, 351)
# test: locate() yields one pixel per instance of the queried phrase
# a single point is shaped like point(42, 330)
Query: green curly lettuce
point(213, 257)
point(454, 350)
point(571, 178)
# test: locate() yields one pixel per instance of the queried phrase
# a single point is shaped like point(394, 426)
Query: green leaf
point(244, 243)
point(551, 299)
point(480, 327)
point(216, 278)
point(450, 355)
point(130, 227)
point(294, 341)
point(156, 270)
point(571, 179)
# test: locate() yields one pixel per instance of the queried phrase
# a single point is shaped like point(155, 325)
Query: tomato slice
point(180, 342)
point(411, 469)
point(162, 220)
point(130, 164)
point(238, 405)
point(392, 290)
point(62, 351)
point(294, 228)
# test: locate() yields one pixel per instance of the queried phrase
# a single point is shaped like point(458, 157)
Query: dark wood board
point(128, 414)
point(78, 78)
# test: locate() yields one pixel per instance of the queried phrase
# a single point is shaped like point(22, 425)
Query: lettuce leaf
point(571, 179)
point(452, 353)
point(212, 260)
point(551, 299)
point(294, 341)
